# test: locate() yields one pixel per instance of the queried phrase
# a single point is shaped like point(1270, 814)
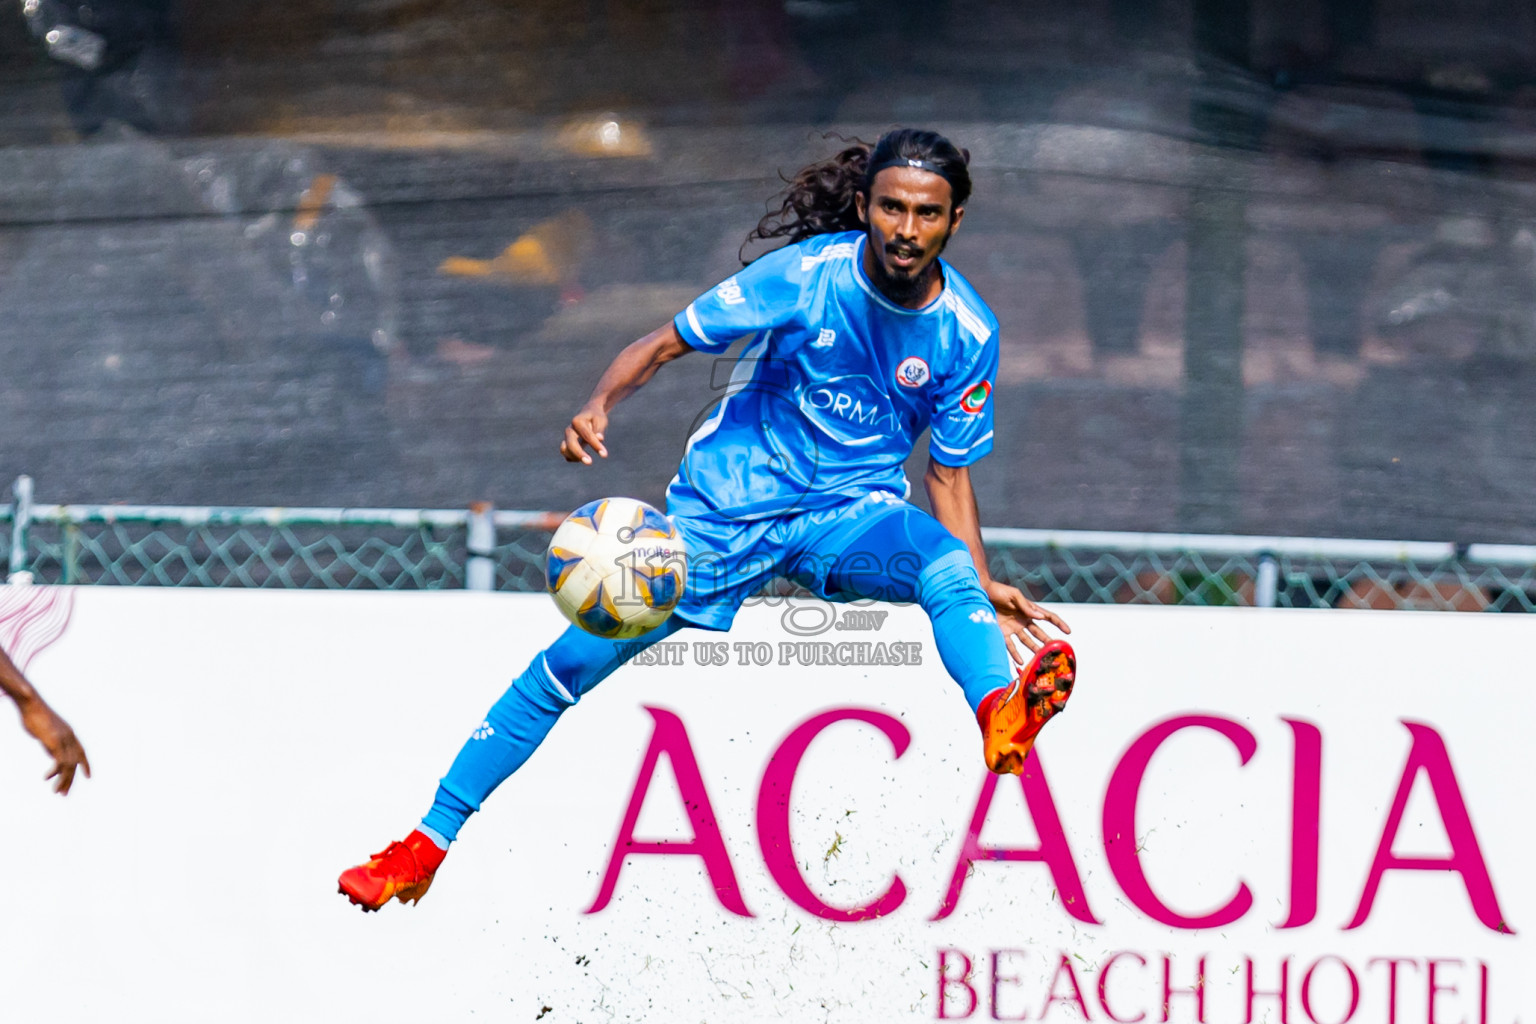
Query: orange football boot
point(403, 871)
point(1011, 716)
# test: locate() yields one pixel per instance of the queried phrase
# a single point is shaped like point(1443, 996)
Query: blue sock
point(512, 730)
point(519, 721)
point(947, 587)
point(965, 626)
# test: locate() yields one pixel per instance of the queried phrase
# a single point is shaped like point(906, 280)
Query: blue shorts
point(876, 547)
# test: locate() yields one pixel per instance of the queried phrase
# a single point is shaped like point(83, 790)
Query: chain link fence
point(487, 549)
point(1188, 572)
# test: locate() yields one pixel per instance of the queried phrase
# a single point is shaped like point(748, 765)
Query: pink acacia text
point(1427, 755)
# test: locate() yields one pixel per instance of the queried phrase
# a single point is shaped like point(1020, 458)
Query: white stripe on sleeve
point(693, 321)
point(962, 451)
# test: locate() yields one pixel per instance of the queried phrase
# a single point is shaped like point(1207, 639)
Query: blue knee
point(573, 664)
point(540, 687)
point(578, 661)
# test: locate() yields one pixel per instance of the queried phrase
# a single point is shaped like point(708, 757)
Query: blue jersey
point(835, 384)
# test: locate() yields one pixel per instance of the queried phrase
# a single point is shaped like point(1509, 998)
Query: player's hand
point(585, 431)
point(1020, 620)
point(59, 740)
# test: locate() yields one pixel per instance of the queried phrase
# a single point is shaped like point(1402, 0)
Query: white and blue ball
point(616, 567)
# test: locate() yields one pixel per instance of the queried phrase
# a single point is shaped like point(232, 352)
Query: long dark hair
point(819, 199)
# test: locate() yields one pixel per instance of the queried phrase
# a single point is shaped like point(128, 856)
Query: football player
point(858, 337)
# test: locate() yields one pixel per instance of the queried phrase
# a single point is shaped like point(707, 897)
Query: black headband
point(906, 161)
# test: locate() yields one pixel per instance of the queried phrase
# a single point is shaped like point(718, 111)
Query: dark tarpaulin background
point(1261, 267)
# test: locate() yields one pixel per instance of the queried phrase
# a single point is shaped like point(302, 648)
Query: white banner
point(1245, 816)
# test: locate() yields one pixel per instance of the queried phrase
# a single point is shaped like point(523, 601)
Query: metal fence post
point(480, 563)
point(1267, 587)
point(21, 521)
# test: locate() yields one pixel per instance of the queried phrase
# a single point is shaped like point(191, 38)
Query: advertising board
point(1245, 815)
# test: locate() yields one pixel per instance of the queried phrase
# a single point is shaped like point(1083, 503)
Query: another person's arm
point(631, 368)
point(953, 501)
point(43, 723)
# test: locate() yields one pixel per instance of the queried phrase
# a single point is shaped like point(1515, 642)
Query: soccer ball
point(616, 567)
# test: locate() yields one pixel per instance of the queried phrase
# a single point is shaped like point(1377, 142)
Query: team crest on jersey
point(975, 399)
point(912, 372)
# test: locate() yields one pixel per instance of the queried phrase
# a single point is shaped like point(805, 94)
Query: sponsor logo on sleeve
point(974, 400)
point(912, 372)
point(730, 292)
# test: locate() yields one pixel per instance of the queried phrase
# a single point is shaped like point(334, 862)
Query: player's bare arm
point(630, 369)
point(45, 726)
point(953, 501)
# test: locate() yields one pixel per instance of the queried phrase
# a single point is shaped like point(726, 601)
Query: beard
point(904, 289)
